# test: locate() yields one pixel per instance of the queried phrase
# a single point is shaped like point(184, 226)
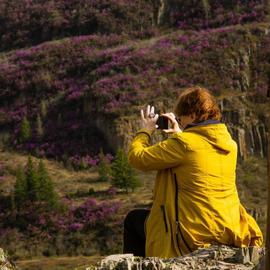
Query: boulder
point(5, 264)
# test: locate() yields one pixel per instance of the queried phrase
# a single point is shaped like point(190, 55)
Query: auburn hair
point(198, 101)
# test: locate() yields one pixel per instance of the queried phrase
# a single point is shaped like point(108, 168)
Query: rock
point(212, 258)
point(5, 264)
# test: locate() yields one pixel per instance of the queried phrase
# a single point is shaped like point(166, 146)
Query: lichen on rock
point(214, 257)
point(5, 264)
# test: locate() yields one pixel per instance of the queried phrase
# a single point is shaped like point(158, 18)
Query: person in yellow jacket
point(195, 201)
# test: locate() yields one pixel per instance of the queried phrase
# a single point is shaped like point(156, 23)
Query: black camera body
point(162, 122)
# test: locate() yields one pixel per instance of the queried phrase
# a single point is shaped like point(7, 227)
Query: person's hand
point(149, 118)
point(174, 124)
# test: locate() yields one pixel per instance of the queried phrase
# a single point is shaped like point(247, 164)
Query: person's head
point(196, 104)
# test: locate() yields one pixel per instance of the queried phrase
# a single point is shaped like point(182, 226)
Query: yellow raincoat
point(195, 201)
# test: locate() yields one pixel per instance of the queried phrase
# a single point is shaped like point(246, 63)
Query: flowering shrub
point(84, 162)
point(71, 230)
point(82, 84)
point(215, 13)
point(34, 219)
point(27, 23)
point(92, 214)
point(112, 191)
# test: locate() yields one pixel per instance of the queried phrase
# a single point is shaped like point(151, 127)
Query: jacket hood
point(216, 134)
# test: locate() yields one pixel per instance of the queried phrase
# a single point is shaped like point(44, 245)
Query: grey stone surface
point(213, 258)
point(5, 264)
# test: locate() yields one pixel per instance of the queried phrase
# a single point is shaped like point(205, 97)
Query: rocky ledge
point(213, 258)
point(5, 264)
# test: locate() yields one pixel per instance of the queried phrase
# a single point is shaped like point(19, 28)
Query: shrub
point(34, 185)
point(91, 191)
point(111, 191)
point(113, 82)
point(123, 176)
point(200, 14)
point(82, 162)
point(32, 181)
point(27, 23)
point(39, 127)
point(46, 189)
point(92, 214)
point(20, 188)
point(25, 130)
point(43, 108)
point(103, 168)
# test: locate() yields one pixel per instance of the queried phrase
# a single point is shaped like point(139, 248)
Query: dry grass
point(68, 182)
point(251, 186)
point(58, 263)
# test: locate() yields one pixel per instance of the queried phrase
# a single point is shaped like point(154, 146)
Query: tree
point(206, 8)
point(123, 176)
point(162, 11)
point(20, 188)
point(46, 191)
point(34, 186)
point(103, 168)
point(32, 181)
point(267, 9)
point(25, 130)
point(43, 108)
point(39, 127)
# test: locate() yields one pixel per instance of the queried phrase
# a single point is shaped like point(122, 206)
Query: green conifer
point(34, 186)
point(46, 191)
point(20, 188)
point(206, 8)
point(32, 181)
point(43, 108)
point(25, 130)
point(39, 127)
point(103, 168)
point(123, 176)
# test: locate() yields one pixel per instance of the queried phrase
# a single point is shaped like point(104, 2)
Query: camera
point(162, 122)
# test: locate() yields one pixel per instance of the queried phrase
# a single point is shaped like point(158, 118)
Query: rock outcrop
point(5, 264)
point(215, 257)
point(246, 128)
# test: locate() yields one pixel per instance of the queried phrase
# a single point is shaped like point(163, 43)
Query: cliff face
point(247, 128)
point(244, 106)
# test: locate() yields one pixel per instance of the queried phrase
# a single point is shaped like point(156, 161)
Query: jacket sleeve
point(165, 154)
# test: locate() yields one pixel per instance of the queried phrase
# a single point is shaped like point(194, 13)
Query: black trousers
point(134, 234)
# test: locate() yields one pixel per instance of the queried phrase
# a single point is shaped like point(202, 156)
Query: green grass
point(252, 187)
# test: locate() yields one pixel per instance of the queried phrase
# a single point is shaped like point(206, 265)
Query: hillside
point(79, 186)
point(75, 187)
point(26, 23)
point(76, 85)
point(95, 84)
point(29, 22)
